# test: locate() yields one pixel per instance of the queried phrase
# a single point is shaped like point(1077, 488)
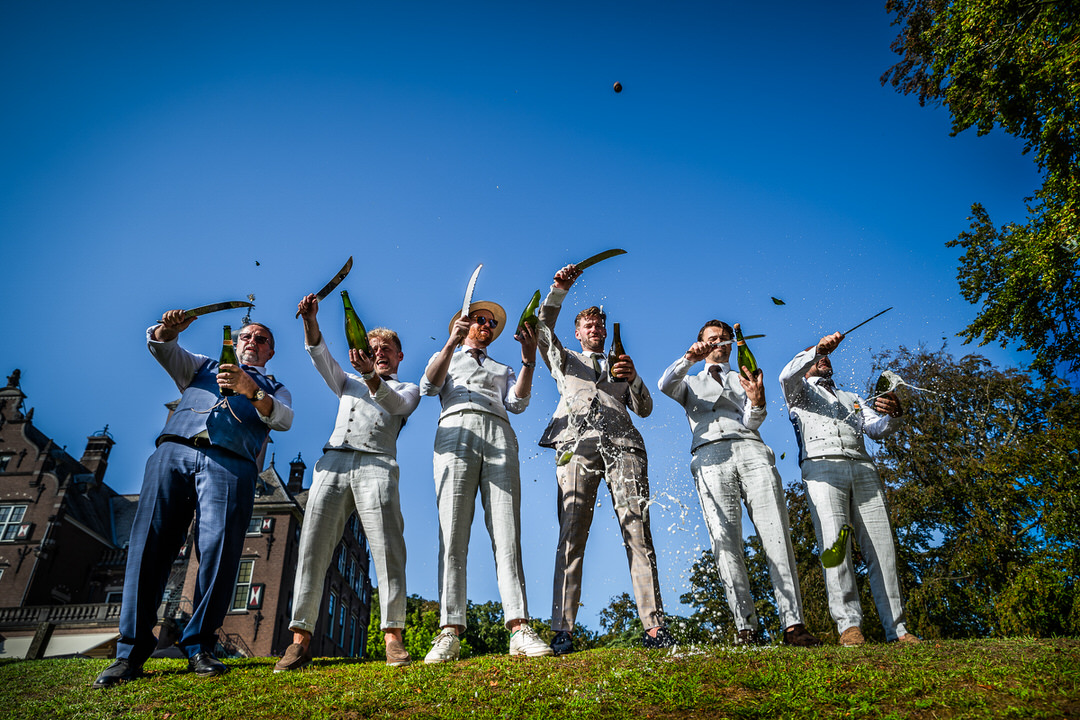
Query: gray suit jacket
point(588, 407)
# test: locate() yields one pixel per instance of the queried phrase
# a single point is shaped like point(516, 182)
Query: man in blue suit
point(205, 467)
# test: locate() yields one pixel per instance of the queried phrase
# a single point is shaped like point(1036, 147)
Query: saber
point(215, 307)
point(469, 290)
point(345, 269)
point(728, 342)
point(866, 321)
point(589, 262)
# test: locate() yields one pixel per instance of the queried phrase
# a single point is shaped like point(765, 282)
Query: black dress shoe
point(663, 639)
point(204, 664)
point(563, 644)
point(748, 638)
point(799, 636)
point(122, 670)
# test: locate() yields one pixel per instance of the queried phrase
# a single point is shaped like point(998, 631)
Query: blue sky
point(152, 153)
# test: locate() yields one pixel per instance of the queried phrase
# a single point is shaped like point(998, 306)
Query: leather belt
point(194, 442)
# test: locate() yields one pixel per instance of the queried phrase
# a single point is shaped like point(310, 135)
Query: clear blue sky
point(151, 153)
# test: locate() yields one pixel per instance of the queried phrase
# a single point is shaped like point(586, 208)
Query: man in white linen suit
point(731, 464)
point(476, 451)
point(843, 487)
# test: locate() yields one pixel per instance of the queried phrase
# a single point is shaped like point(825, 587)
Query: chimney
point(296, 475)
point(96, 457)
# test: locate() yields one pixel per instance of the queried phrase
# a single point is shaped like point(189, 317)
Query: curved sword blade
point(590, 261)
point(469, 290)
point(217, 307)
point(328, 287)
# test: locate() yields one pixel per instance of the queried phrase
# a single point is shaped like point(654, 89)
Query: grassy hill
point(1017, 678)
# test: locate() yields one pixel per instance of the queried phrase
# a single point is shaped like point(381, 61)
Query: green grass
point(1015, 678)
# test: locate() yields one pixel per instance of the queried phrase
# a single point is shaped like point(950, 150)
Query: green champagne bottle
point(228, 355)
point(355, 333)
point(834, 555)
point(616, 351)
point(745, 357)
point(529, 315)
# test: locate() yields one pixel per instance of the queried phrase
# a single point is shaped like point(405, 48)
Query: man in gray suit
point(594, 438)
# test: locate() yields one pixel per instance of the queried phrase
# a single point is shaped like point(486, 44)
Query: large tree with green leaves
point(983, 478)
point(1012, 64)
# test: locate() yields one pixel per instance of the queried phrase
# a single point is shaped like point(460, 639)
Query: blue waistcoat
point(243, 434)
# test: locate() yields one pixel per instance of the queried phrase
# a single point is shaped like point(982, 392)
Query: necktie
point(714, 370)
point(827, 383)
point(477, 355)
point(595, 364)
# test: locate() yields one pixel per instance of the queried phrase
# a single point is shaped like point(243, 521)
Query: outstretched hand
point(308, 306)
point(565, 278)
point(829, 343)
point(172, 324)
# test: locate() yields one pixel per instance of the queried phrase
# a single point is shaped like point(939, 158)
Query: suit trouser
point(347, 480)
point(218, 489)
point(478, 452)
point(626, 472)
point(730, 471)
point(839, 491)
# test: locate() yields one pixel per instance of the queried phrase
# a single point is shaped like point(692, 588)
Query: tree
point(712, 621)
point(620, 622)
point(485, 629)
point(1013, 64)
point(983, 485)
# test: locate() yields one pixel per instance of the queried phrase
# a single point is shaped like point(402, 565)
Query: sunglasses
point(482, 321)
point(259, 339)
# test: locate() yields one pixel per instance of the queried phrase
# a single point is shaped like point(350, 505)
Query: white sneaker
point(444, 648)
point(526, 642)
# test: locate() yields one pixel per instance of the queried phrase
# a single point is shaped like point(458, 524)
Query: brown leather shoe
point(852, 636)
point(908, 638)
point(396, 654)
point(798, 636)
point(296, 656)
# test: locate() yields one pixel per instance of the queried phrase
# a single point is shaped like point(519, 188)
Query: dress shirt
point(487, 387)
point(366, 421)
point(716, 411)
point(182, 366)
point(828, 422)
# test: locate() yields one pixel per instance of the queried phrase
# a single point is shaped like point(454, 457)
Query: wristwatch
point(259, 395)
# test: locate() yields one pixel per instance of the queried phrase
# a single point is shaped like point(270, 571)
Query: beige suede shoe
point(396, 654)
point(851, 637)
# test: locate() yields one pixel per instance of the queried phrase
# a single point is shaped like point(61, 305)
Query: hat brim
point(493, 308)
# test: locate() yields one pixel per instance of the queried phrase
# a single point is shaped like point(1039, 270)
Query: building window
point(5, 458)
point(243, 585)
point(10, 518)
point(341, 560)
point(352, 634)
point(255, 525)
point(358, 580)
point(341, 626)
point(330, 615)
point(114, 596)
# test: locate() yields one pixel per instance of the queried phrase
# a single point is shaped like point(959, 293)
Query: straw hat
point(493, 308)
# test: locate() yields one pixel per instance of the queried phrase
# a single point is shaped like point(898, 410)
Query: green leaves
point(1015, 65)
